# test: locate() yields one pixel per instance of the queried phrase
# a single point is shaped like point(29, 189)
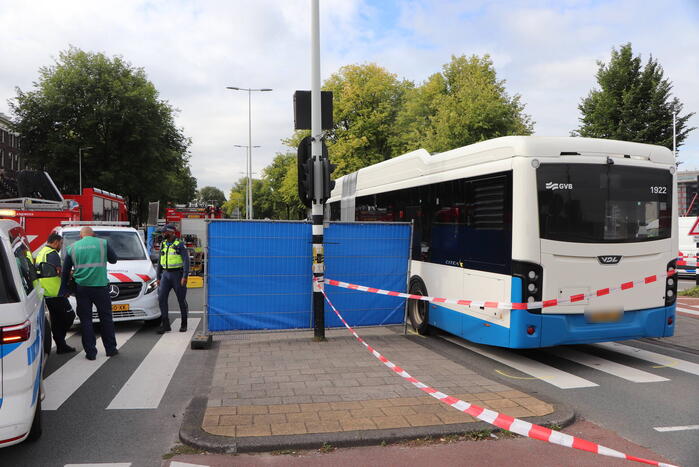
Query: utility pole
point(674, 135)
point(316, 153)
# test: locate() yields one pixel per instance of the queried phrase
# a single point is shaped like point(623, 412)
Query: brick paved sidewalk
point(268, 384)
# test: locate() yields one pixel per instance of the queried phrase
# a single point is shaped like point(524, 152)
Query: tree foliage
point(87, 99)
point(211, 194)
point(633, 103)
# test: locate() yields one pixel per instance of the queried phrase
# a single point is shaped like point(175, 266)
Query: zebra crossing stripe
point(687, 310)
point(526, 365)
point(670, 362)
point(613, 368)
point(63, 382)
point(147, 385)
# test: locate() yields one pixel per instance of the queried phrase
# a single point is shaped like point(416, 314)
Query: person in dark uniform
point(87, 259)
point(173, 270)
point(60, 311)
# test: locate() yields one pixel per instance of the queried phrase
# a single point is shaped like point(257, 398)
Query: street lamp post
point(250, 146)
point(248, 173)
point(80, 167)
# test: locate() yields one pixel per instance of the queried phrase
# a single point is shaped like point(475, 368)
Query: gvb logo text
point(559, 186)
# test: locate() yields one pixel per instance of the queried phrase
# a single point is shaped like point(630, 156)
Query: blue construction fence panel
point(371, 254)
point(259, 273)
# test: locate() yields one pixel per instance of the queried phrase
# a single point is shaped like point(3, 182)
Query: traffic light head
point(304, 164)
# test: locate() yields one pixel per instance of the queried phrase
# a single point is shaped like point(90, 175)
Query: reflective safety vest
point(51, 285)
point(89, 257)
point(169, 258)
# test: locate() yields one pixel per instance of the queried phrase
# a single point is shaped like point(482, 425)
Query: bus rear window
point(610, 203)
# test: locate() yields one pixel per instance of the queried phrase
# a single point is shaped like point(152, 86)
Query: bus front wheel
point(418, 310)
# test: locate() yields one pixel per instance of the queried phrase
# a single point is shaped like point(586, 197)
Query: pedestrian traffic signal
point(328, 169)
point(304, 165)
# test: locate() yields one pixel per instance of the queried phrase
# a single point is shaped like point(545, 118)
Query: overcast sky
point(192, 50)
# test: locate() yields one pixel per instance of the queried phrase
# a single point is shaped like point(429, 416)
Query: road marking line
point(531, 367)
point(688, 311)
point(185, 464)
point(676, 428)
point(147, 385)
point(108, 464)
point(63, 382)
point(68, 336)
point(674, 363)
point(516, 377)
point(615, 369)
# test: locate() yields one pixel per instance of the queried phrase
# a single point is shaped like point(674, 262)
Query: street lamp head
point(266, 89)
point(233, 87)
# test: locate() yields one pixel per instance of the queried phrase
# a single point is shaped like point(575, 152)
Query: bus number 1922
point(658, 190)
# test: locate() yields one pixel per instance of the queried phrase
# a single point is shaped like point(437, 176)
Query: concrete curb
point(192, 434)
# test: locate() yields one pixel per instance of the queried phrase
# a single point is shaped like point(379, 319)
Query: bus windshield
point(610, 203)
point(126, 245)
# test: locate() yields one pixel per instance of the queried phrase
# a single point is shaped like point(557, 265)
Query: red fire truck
point(37, 205)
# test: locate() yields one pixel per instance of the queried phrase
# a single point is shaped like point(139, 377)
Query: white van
point(132, 280)
point(25, 338)
point(688, 245)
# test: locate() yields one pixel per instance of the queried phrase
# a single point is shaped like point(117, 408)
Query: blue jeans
point(171, 280)
point(98, 296)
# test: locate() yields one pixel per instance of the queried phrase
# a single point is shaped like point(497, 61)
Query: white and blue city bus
point(524, 219)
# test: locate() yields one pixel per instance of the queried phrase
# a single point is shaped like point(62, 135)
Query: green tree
point(284, 205)
point(366, 101)
point(211, 194)
point(87, 99)
point(462, 105)
point(633, 103)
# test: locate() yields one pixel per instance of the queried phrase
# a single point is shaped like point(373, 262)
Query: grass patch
point(478, 435)
point(284, 452)
point(326, 448)
point(693, 292)
point(181, 449)
point(556, 427)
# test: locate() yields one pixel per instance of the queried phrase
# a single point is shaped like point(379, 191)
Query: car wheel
point(418, 310)
point(35, 431)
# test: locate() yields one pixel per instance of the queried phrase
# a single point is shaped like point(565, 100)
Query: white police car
point(132, 280)
point(25, 338)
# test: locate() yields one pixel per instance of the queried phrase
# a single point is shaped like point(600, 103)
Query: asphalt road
point(631, 409)
point(83, 430)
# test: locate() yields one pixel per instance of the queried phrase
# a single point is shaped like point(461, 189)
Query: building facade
point(687, 198)
point(10, 159)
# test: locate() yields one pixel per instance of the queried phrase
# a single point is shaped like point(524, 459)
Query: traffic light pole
point(316, 153)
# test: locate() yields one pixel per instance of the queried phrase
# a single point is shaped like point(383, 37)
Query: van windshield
point(126, 245)
point(610, 203)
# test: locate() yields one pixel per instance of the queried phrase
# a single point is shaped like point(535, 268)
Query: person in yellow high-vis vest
point(60, 311)
point(173, 269)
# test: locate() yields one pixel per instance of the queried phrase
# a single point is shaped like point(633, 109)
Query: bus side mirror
point(46, 270)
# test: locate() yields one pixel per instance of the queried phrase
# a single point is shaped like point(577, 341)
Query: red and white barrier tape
point(506, 305)
point(121, 277)
point(684, 262)
point(502, 421)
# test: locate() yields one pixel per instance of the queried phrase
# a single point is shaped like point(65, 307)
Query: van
point(25, 337)
point(132, 280)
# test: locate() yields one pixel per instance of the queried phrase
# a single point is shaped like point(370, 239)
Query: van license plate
point(124, 307)
point(606, 316)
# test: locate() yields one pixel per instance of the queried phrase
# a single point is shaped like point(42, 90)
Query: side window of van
point(8, 292)
point(25, 263)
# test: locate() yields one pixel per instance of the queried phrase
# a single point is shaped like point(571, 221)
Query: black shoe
point(163, 330)
point(90, 357)
point(112, 353)
point(183, 328)
point(65, 348)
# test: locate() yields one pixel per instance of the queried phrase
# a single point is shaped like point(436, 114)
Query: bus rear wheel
point(418, 310)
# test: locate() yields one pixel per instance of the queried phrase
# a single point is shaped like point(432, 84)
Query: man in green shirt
point(87, 258)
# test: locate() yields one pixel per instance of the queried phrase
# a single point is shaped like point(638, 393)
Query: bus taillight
point(671, 283)
point(532, 281)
